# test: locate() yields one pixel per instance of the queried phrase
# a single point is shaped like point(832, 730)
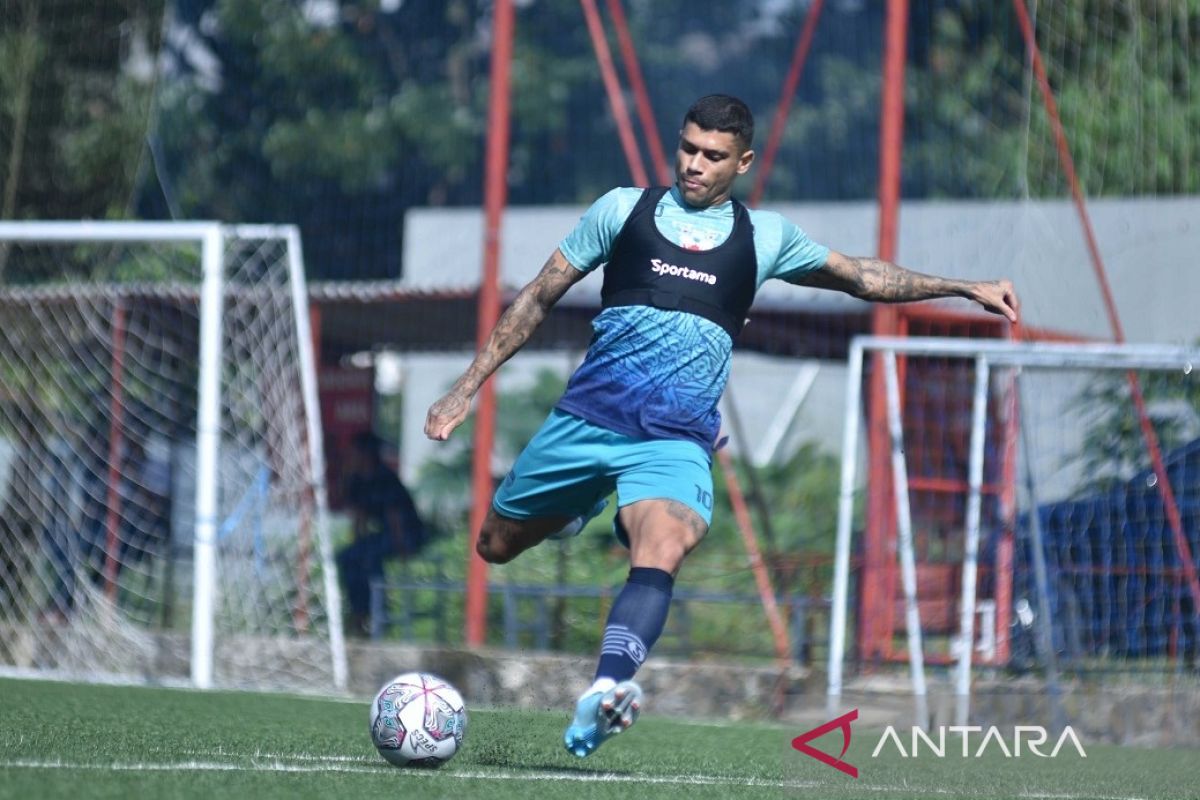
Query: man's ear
point(744, 162)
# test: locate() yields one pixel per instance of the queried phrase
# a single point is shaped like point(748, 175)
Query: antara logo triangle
point(801, 743)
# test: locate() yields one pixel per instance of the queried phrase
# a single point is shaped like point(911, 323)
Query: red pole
point(640, 95)
point(766, 591)
point(891, 127)
point(799, 57)
point(612, 86)
point(1005, 549)
point(874, 634)
point(1183, 550)
point(495, 196)
point(116, 426)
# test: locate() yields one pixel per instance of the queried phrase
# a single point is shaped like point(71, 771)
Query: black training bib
point(647, 269)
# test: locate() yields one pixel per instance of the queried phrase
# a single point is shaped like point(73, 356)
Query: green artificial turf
point(66, 740)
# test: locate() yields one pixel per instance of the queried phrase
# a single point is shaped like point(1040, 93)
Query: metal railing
point(527, 617)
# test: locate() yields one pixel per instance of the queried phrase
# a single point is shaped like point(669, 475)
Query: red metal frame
point(495, 198)
point(1005, 548)
point(799, 58)
point(878, 577)
point(641, 97)
point(612, 86)
point(762, 577)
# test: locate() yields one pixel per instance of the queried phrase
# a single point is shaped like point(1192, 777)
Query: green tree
point(1121, 77)
point(76, 84)
point(1114, 446)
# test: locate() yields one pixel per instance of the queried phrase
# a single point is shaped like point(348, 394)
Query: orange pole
point(612, 86)
point(799, 57)
point(891, 128)
point(878, 568)
point(495, 197)
point(1005, 550)
point(641, 97)
point(766, 591)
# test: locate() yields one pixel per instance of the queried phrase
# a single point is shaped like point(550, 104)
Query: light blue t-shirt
point(658, 374)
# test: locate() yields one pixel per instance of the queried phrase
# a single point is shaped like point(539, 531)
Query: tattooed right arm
point(884, 282)
point(512, 331)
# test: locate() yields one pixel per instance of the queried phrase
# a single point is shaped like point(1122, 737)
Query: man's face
point(706, 163)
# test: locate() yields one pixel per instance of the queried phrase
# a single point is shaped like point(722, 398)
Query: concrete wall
point(1149, 246)
point(1116, 712)
point(1156, 711)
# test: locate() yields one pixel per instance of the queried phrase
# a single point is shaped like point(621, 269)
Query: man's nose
point(694, 164)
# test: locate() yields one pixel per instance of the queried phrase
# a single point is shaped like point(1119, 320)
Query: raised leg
point(502, 538)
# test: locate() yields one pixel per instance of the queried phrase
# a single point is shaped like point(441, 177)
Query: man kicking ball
point(682, 265)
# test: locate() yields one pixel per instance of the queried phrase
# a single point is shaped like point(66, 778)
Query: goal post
point(160, 406)
point(1098, 579)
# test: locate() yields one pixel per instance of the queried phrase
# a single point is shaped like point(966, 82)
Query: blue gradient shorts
point(570, 464)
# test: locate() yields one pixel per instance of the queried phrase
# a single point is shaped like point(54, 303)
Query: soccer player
point(640, 414)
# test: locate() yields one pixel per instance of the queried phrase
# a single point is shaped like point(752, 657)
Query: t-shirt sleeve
point(590, 243)
point(798, 254)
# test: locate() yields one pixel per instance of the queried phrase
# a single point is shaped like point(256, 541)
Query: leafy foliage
point(340, 115)
point(77, 95)
point(1114, 446)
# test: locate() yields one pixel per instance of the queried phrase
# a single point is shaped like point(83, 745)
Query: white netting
point(1064, 461)
point(1119, 594)
point(1121, 73)
point(98, 465)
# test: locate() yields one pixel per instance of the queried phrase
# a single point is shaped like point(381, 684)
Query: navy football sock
point(635, 622)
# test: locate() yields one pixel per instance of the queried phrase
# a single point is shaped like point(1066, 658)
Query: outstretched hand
point(445, 415)
point(998, 297)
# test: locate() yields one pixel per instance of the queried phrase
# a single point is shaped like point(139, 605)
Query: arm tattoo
point(883, 281)
point(519, 321)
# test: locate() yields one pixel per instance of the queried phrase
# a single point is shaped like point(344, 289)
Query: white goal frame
point(985, 354)
point(211, 238)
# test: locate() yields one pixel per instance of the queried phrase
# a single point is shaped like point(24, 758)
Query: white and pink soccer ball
point(418, 720)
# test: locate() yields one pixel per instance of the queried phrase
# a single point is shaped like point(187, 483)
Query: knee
point(490, 546)
point(663, 540)
point(665, 554)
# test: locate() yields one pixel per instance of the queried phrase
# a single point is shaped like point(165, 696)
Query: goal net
point(1037, 528)
point(162, 516)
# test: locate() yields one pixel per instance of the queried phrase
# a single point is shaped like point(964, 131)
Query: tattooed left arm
point(884, 282)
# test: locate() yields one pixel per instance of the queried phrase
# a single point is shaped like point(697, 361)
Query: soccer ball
point(418, 720)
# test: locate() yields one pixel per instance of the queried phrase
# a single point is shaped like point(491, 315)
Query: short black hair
point(722, 112)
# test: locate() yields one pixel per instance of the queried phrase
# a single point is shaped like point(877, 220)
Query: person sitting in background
point(385, 524)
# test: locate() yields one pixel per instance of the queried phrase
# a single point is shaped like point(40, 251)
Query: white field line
point(336, 766)
point(276, 762)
